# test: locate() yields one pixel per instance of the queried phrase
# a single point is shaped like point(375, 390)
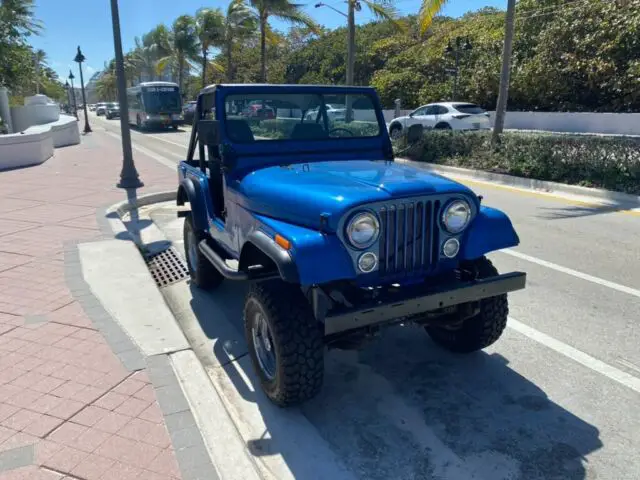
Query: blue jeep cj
point(336, 238)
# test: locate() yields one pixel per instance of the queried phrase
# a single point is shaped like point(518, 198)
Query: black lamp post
point(73, 92)
point(79, 59)
point(456, 50)
point(129, 178)
point(66, 88)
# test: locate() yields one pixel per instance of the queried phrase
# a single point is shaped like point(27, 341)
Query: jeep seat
point(308, 131)
point(239, 131)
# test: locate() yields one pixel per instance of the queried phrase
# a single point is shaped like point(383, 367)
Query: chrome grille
point(408, 237)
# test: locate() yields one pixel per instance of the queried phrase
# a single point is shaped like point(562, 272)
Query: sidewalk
point(69, 407)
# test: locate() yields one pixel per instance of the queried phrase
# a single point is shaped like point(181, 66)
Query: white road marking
point(628, 364)
point(574, 273)
point(162, 159)
point(613, 373)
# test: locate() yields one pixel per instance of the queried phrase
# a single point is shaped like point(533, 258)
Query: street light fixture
point(456, 50)
point(320, 4)
point(129, 178)
point(73, 91)
point(79, 59)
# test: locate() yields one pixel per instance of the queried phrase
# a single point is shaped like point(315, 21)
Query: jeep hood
point(300, 193)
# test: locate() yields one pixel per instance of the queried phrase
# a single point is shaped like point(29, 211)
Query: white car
point(335, 112)
point(443, 116)
point(101, 108)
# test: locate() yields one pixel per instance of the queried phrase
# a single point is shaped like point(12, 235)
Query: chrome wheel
point(192, 251)
point(263, 345)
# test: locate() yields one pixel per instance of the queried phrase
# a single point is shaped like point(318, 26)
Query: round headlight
point(367, 262)
point(456, 216)
point(363, 230)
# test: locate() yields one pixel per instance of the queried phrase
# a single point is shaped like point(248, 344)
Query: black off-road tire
point(205, 275)
point(395, 131)
point(297, 340)
point(481, 330)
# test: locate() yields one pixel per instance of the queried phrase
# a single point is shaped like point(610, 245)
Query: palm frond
point(294, 15)
point(385, 11)
point(428, 11)
point(162, 63)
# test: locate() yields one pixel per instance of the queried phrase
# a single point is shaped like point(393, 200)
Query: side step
point(231, 273)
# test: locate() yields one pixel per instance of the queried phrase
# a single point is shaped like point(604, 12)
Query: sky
point(69, 23)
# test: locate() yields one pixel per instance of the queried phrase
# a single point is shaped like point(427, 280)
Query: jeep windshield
point(299, 116)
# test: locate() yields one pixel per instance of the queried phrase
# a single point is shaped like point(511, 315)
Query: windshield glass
point(469, 108)
point(300, 116)
point(161, 99)
point(112, 105)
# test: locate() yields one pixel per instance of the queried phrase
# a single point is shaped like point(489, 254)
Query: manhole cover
point(167, 267)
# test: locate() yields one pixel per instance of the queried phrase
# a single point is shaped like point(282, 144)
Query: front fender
point(491, 230)
point(318, 257)
point(190, 191)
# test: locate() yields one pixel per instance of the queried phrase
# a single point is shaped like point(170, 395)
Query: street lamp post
point(129, 177)
point(456, 51)
point(73, 91)
point(79, 59)
point(66, 88)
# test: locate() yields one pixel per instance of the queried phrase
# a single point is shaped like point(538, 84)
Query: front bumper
point(411, 303)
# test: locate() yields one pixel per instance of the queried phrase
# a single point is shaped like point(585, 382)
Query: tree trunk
point(351, 41)
point(229, 66)
point(180, 73)
point(503, 93)
point(204, 67)
point(263, 48)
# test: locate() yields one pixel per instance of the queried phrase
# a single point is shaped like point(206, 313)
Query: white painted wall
point(32, 148)
point(607, 123)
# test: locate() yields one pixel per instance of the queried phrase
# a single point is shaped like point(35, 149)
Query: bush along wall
point(612, 163)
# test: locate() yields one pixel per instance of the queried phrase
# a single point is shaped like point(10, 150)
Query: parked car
point(336, 113)
point(101, 108)
point(187, 112)
point(443, 116)
point(259, 110)
point(92, 107)
point(112, 110)
point(336, 240)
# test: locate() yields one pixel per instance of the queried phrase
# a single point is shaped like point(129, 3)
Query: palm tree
point(210, 32)
point(182, 47)
point(158, 40)
point(240, 23)
point(382, 10)
point(40, 60)
point(429, 10)
point(284, 10)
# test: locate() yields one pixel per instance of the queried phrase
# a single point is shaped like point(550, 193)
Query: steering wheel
point(340, 129)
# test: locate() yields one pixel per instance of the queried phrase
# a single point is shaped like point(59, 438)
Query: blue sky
point(69, 23)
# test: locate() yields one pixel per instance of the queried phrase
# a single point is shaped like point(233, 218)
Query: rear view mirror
point(209, 132)
point(414, 133)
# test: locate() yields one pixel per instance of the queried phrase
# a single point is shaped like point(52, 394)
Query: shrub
point(588, 160)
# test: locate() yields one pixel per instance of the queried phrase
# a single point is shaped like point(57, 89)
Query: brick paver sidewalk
point(68, 407)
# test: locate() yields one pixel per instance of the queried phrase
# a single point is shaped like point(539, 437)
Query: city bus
point(155, 104)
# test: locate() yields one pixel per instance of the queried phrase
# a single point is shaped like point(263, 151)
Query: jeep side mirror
point(414, 133)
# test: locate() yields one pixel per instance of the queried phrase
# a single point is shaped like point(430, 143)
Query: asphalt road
point(557, 397)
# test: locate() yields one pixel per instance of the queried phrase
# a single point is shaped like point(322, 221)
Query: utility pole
point(503, 93)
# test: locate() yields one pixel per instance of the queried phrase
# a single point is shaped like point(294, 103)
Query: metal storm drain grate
point(167, 267)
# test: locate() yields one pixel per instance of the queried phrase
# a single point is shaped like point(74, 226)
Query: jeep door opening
point(294, 189)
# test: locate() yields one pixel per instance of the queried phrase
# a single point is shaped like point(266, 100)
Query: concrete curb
point(186, 405)
point(602, 195)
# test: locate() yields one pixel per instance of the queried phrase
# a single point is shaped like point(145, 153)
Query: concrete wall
point(608, 123)
point(36, 111)
point(21, 150)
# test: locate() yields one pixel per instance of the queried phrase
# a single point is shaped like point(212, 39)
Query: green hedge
point(606, 162)
point(282, 127)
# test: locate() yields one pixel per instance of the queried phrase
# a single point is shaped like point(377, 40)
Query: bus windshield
point(161, 99)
